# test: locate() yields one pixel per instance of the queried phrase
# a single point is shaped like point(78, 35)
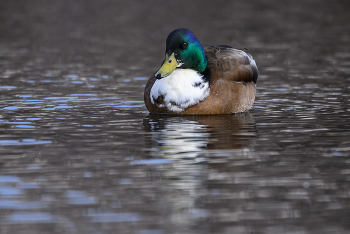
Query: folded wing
point(231, 64)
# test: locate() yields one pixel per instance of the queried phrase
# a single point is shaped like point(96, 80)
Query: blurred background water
point(80, 153)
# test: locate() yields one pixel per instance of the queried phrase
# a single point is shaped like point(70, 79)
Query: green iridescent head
point(183, 50)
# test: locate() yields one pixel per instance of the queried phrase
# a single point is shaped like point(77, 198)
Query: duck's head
point(183, 50)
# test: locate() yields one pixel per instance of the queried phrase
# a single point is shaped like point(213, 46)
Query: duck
point(196, 79)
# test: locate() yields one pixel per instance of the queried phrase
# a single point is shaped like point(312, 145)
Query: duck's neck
point(193, 57)
point(201, 65)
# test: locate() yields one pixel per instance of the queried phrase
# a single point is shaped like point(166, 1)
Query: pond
point(81, 154)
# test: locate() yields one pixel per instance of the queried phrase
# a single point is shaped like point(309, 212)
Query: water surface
point(81, 154)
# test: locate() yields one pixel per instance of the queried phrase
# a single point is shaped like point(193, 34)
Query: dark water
point(81, 154)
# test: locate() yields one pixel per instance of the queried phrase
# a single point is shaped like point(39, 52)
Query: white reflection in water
point(183, 142)
point(185, 139)
point(187, 142)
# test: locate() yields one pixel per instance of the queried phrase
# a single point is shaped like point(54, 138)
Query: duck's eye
point(184, 45)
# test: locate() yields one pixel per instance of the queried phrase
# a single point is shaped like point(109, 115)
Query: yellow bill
point(168, 66)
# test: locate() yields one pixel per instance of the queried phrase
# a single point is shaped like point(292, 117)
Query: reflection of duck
point(177, 137)
point(201, 80)
point(228, 131)
point(185, 141)
point(182, 135)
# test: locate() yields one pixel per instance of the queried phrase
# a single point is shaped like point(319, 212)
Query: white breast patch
point(181, 89)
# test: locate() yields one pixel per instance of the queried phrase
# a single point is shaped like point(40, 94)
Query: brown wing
point(225, 62)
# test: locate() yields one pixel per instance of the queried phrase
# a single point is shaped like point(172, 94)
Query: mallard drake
point(197, 79)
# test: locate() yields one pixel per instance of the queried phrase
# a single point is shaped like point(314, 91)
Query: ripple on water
point(129, 104)
point(140, 78)
point(58, 107)
point(9, 179)
point(33, 119)
point(21, 107)
point(151, 231)
point(8, 87)
point(6, 191)
point(113, 217)
point(54, 98)
point(72, 76)
point(23, 142)
point(20, 205)
point(83, 94)
point(77, 197)
point(31, 217)
point(24, 96)
point(150, 161)
point(16, 122)
point(24, 126)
